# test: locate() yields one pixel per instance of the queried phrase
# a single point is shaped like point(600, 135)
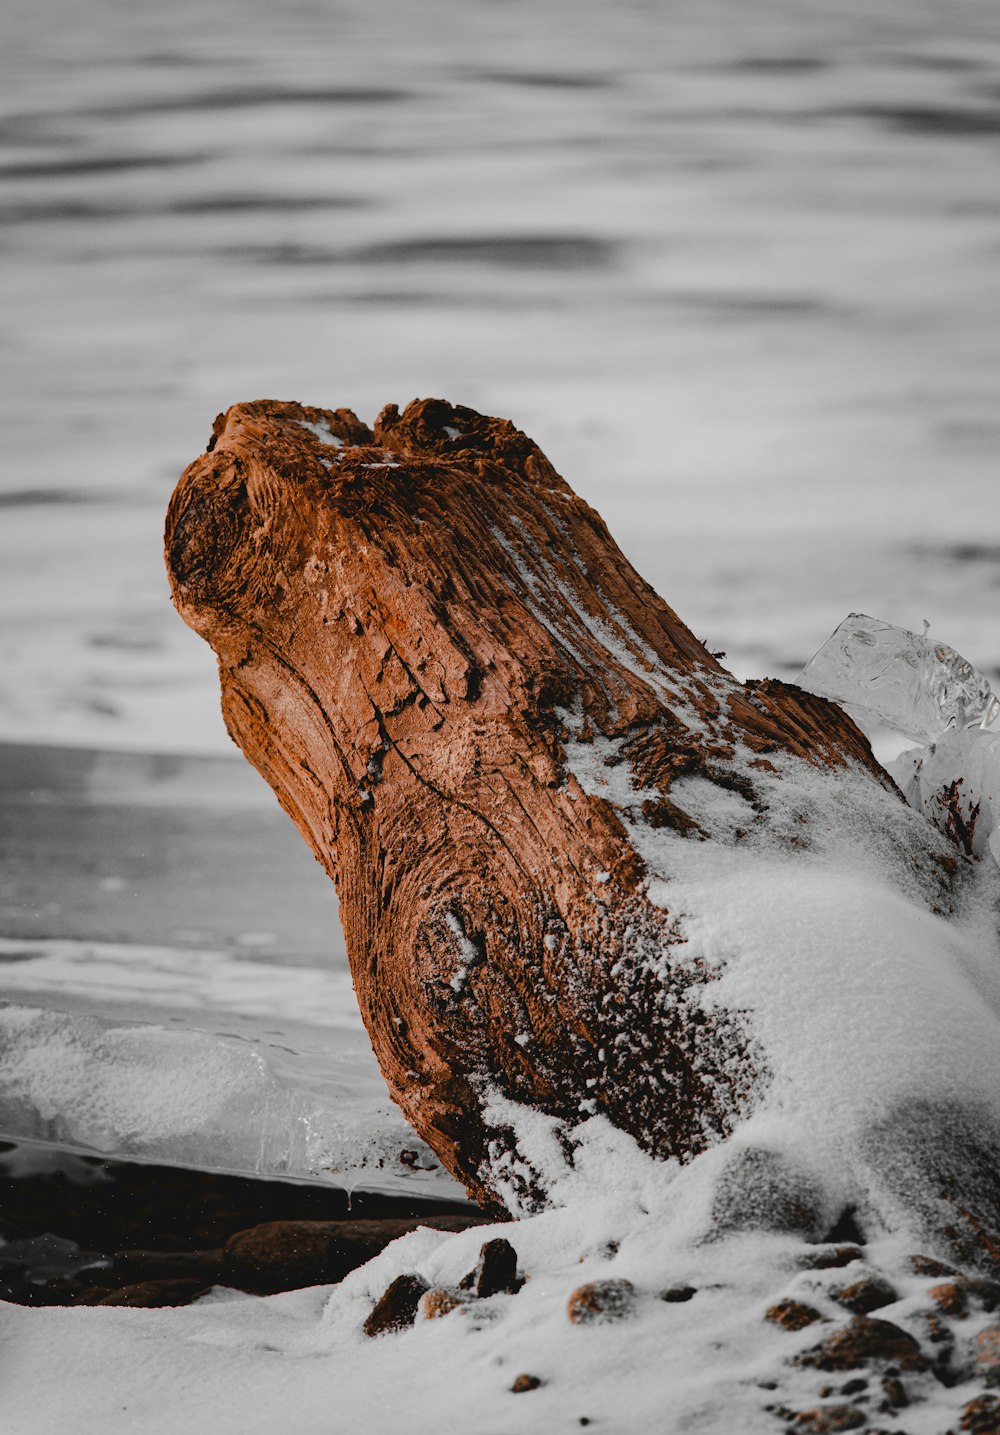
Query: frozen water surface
point(735, 269)
point(200, 1059)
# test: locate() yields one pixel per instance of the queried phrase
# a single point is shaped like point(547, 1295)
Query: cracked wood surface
point(417, 626)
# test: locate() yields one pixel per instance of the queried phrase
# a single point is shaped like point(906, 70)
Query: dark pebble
point(675, 1294)
point(525, 1382)
point(397, 1307)
point(495, 1272)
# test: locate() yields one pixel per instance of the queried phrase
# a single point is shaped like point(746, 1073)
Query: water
point(736, 270)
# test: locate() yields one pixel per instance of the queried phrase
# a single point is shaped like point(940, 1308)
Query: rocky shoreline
point(84, 1231)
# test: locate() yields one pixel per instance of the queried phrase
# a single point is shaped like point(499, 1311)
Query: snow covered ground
point(864, 999)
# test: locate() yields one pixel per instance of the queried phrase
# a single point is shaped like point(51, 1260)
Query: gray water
point(737, 268)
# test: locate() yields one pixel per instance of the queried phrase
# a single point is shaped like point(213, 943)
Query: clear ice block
point(917, 685)
point(198, 1058)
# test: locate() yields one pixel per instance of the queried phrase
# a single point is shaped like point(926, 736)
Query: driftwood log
point(420, 628)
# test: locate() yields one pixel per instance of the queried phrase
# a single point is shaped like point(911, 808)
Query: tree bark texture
point(416, 625)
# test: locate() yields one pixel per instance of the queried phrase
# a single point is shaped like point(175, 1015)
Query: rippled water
point(737, 268)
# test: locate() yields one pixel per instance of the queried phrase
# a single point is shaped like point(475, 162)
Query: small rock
point(937, 1332)
point(675, 1294)
point(895, 1391)
point(827, 1419)
point(863, 1296)
point(438, 1302)
point(495, 1272)
point(525, 1382)
point(830, 1257)
point(928, 1266)
point(792, 1315)
point(599, 1302)
point(855, 1386)
point(986, 1292)
point(951, 1297)
point(286, 1255)
point(149, 1295)
point(759, 1190)
point(865, 1340)
point(397, 1308)
point(981, 1416)
point(986, 1356)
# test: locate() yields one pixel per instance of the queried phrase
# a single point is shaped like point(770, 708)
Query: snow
point(234, 1363)
point(864, 1001)
point(323, 432)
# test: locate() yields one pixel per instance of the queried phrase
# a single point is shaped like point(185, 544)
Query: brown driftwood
point(416, 626)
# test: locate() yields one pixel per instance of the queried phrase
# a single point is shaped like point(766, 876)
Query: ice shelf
point(200, 1059)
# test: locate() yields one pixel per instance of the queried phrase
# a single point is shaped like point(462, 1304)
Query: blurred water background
point(736, 268)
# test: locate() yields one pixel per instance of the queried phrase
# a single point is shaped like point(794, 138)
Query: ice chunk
point(201, 1099)
point(201, 1059)
point(36, 1260)
point(955, 781)
point(917, 685)
point(927, 691)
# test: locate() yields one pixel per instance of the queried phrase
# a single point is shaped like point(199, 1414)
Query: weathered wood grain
point(415, 626)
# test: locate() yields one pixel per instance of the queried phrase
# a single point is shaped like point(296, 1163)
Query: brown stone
point(936, 1331)
point(951, 1297)
point(981, 1416)
point(423, 635)
point(792, 1314)
point(895, 1391)
point(828, 1419)
point(831, 1257)
point(149, 1294)
point(985, 1292)
point(986, 1355)
point(865, 1295)
point(930, 1266)
point(397, 1307)
point(285, 1255)
point(600, 1302)
point(138, 1265)
point(865, 1341)
point(438, 1302)
point(495, 1271)
point(525, 1382)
